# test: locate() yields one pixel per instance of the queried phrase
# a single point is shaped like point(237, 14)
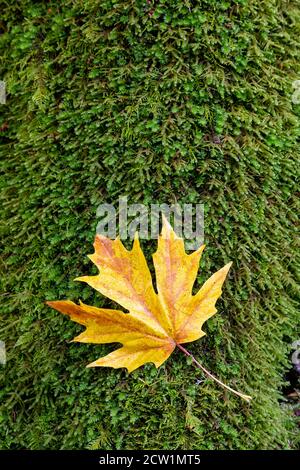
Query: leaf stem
point(187, 353)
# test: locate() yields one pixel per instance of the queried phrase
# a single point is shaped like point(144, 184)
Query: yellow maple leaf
point(156, 322)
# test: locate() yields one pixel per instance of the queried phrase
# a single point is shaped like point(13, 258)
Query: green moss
point(107, 98)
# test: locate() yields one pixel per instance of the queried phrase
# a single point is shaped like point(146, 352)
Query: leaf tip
point(228, 266)
point(200, 249)
point(167, 231)
point(91, 364)
point(136, 240)
point(52, 303)
point(166, 224)
point(81, 278)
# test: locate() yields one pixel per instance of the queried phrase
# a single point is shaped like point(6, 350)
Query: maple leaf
point(156, 322)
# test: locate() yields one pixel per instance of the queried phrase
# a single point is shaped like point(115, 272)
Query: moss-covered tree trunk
point(159, 101)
